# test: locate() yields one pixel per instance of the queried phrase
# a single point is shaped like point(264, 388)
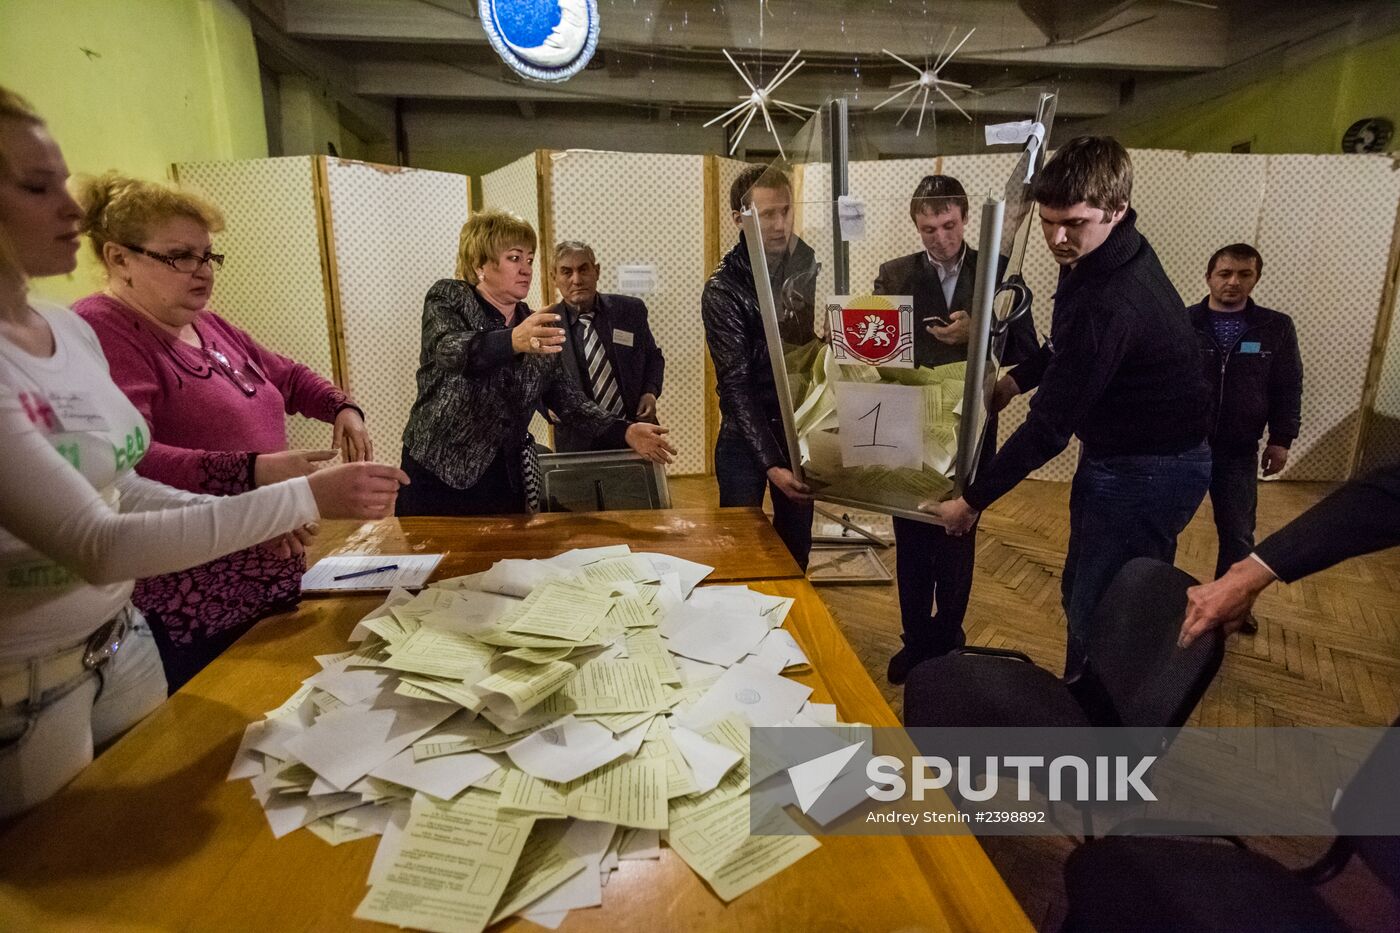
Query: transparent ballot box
point(887, 336)
point(601, 481)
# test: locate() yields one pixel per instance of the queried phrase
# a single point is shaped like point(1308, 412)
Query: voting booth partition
point(644, 216)
point(328, 263)
point(1380, 432)
point(1332, 269)
point(329, 260)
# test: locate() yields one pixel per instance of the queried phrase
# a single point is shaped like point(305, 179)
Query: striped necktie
point(600, 374)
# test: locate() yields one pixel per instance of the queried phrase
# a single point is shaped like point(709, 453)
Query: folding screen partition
point(638, 209)
point(329, 261)
point(1380, 433)
point(275, 283)
point(394, 233)
point(516, 188)
point(1326, 226)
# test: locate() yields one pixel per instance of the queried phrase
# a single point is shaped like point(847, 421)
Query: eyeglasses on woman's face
point(187, 263)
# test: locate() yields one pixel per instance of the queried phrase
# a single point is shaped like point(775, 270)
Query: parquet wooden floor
point(1327, 653)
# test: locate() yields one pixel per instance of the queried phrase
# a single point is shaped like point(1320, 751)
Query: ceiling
point(664, 60)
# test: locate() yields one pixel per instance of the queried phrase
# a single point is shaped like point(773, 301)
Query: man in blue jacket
point(1255, 372)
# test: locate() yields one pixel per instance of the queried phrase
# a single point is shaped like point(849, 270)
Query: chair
point(1165, 885)
point(1136, 675)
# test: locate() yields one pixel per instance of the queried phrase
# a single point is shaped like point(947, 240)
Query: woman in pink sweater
point(215, 399)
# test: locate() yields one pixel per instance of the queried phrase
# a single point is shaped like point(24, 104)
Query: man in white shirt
point(933, 569)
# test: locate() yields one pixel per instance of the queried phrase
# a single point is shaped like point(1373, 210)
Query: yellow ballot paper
point(646, 645)
point(628, 792)
point(546, 863)
point(613, 687)
point(514, 690)
point(452, 867)
point(633, 568)
point(715, 842)
point(438, 653)
point(562, 611)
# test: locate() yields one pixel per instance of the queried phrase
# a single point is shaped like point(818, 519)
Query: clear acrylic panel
point(886, 333)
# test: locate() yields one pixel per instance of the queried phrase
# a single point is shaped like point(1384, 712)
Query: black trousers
point(1234, 496)
point(932, 567)
point(743, 481)
point(498, 491)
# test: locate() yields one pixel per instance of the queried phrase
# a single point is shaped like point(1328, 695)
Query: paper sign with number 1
point(880, 424)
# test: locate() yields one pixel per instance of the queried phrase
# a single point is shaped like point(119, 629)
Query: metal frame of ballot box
point(987, 329)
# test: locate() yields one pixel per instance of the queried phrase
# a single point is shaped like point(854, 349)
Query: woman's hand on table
point(649, 440)
point(350, 436)
point(357, 490)
point(287, 464)
point(537, 334)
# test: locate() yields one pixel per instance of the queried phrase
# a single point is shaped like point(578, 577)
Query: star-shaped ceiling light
point(927, 82)
point(757, 101)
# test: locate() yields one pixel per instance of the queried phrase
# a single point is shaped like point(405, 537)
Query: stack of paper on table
point(513, 735)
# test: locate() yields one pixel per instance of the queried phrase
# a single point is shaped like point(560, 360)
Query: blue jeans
point(742, 481)
point(1234, 494)
point(43, 748)
point(1120, 508)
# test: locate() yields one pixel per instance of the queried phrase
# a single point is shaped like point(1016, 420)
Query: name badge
point(1249, 346)
point(75, 411)
point(623, 337)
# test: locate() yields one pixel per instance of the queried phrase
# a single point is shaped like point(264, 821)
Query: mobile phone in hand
point(937, 321)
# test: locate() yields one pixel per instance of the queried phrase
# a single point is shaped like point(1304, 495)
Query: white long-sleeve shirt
point(77, 525)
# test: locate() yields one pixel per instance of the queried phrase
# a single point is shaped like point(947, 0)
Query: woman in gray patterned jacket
point(486, 363)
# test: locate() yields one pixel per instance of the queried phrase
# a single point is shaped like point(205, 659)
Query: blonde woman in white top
point(77, 525)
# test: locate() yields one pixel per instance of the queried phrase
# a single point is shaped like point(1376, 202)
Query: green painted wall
point(310, 120)
point(1304, 110)
point(135, 85)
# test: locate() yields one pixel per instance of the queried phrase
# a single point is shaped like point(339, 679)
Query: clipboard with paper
point(878, 413)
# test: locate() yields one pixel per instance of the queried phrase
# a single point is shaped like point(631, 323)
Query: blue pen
point(365, 573)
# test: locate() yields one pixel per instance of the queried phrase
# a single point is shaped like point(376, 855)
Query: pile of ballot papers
point(514, 734)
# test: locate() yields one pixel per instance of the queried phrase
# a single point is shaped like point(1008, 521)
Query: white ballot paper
point(406, 570)
point(709, 761)
point(721, 639)
point(346, 744)
point(757, 696)
point(443, 777)
point(568, 749)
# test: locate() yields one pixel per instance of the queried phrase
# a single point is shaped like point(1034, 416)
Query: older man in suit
point(608, 346)
point(934, 569)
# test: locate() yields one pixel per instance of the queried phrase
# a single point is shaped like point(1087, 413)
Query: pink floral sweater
point(211, 410)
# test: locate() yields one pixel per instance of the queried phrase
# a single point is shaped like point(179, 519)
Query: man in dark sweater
point(751, 451)
point(1255, 373)
point(1361, 517)
point(1121, 371)
point(933, 568)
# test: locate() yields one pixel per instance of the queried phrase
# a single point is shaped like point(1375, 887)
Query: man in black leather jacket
point(751, 452)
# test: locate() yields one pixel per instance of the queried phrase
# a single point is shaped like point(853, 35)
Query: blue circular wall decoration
point(546, 40)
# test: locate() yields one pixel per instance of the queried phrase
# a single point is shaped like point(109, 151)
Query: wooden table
point(739, 543)
point(152, 837)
